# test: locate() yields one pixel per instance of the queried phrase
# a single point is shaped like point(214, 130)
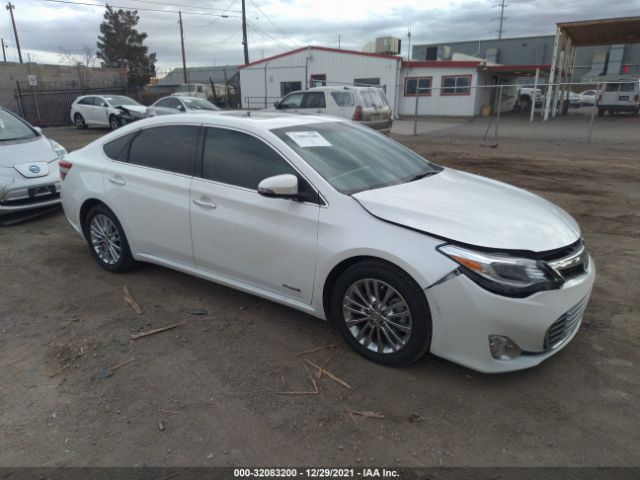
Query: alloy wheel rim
point(105, 239)
point(114, 124)
point(78, 121)
point(377, 316)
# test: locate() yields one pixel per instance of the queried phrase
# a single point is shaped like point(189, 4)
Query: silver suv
point(367, 105)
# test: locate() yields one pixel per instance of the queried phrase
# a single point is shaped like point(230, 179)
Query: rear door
point(626, 95)
point(313, 103)
point(270, 243)
point(148, 190)
point(345, 103)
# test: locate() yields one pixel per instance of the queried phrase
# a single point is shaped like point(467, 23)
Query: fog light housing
point(503, 348)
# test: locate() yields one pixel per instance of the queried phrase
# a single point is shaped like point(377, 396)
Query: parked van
point(367, 105)
point(621, 96)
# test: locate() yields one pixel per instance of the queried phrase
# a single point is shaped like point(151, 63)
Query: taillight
point(357, 115)
point(65, 166)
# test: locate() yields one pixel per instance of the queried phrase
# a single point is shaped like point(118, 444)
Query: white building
point(443, 87)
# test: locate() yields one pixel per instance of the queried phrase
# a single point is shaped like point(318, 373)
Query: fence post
point(499, 111)
point(415, 115)
point(535, 94)
point(593, 113)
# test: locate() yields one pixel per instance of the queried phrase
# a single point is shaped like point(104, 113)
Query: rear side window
point(87, 101)
point(239, 159)
point(314, 100)
point(612, 87)
point(167, 148)
point(118, 149)
point(343, 99)
point(627, 87)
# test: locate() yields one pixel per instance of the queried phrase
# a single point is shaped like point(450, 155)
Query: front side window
point(354, 158)
point(456, 85)
point(288, 87)
point(239, 159)
point(166, 148)
point(420, 86)
point(87, 101)
point(119, 100)
point(313, 100)
point(166, 103)
point(292, 101)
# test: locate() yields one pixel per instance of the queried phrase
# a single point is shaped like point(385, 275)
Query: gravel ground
point(76, 391)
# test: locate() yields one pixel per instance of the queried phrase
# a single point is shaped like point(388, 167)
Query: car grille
point(564, 327)
point(572, 262)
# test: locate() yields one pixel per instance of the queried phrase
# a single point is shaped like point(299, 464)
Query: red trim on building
point(322, 49)
point(441, 64)
point(442, 87)
point(428, 94)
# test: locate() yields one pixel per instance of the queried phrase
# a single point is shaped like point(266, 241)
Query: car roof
point(248, 119)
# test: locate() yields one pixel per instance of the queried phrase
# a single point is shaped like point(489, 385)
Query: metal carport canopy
point(611, 31)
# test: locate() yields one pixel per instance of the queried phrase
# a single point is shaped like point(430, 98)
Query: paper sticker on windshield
point(308, 139)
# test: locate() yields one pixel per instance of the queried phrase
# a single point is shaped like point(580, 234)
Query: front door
point(270, 243)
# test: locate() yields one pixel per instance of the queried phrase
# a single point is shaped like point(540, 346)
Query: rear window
point(343, 99)
point(372, 98)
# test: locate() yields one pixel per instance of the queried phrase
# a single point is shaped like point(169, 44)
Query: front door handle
point(117, 180)
point(204, 203)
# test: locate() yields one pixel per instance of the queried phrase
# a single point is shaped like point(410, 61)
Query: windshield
point(12, 128)
point(118, 100)
point(353, 158)
point(199, 104)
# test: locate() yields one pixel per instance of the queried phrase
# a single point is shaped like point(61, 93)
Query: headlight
point(504, 274)
point(58, 149)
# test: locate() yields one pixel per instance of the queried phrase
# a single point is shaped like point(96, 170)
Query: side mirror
point(277, 105)
point(282, 186)
point(38, 129)
point(104, 105)
point(181, 108)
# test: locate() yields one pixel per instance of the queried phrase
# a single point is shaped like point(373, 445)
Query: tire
point(114, 122)
point(79, 122)
point(100, 226)
point(396, 293)
point(601, 112)
point(525, 104)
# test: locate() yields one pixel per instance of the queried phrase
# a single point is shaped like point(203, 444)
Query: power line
point(136, 8)
point(268, 36)
point(269, 20)
point(182, 5)
point(222, 15)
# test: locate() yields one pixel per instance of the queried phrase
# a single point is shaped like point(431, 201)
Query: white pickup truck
point(526, 97)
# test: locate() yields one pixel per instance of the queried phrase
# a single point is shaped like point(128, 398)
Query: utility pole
point(4, 52)
point(184, 60)
point(338, 42)
point(409, 47)
point(502, 7)
point(11, 7)
point(244, 34)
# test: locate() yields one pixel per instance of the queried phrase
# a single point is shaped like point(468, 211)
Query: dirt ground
point(76, 391)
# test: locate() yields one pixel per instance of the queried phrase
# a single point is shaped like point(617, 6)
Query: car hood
point(140, 109)
point(26, 152)
point(473, 210)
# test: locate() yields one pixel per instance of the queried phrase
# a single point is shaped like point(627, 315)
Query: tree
point(87, 57)
point(121, 45)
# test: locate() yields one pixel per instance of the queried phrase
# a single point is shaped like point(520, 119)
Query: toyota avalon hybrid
point(340, 222)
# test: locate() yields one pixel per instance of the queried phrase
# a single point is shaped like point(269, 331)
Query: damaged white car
point(111, 111)
point(29, 174)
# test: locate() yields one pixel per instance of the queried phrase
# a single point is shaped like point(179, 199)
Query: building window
point(318, 80)
point(456, 85)
point(288, 87)
point(417, 85)
point(363, 82)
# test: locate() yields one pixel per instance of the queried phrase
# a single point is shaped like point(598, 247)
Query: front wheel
point(79, 122)
point(382, 313)
point(114, 122)
point(107, 240)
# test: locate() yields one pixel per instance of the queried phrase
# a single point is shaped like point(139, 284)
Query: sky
point(46, 27)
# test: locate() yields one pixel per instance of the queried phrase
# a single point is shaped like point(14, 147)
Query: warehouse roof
point(610, 31)
point(323, 49)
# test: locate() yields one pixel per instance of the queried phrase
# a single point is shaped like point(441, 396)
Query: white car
point(588, 97)
point(111, 111)
point(172, 105)
point(342, 223)
point(366, 105)
point(29, 176)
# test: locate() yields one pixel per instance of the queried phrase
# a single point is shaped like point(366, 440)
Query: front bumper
point(28, 194)
point(464, 315)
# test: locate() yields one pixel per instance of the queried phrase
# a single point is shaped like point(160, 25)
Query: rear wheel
point(79, 122)
point(107, 240)
point(382, 313)
point(601, 112)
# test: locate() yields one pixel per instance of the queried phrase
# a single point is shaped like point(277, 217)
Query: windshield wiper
point(422, 175)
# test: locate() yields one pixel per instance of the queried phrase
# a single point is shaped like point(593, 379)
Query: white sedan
point(340, 222)
point(172, 105)
point(588, 97)
point(29, 177)
point(111, 111)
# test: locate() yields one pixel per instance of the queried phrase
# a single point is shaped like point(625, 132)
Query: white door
point(313, 103)
point(150, 193)
point(100, 112)
point(270, 243)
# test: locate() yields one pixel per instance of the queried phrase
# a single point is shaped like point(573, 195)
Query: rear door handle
point(204, 203)
point(117, 180)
